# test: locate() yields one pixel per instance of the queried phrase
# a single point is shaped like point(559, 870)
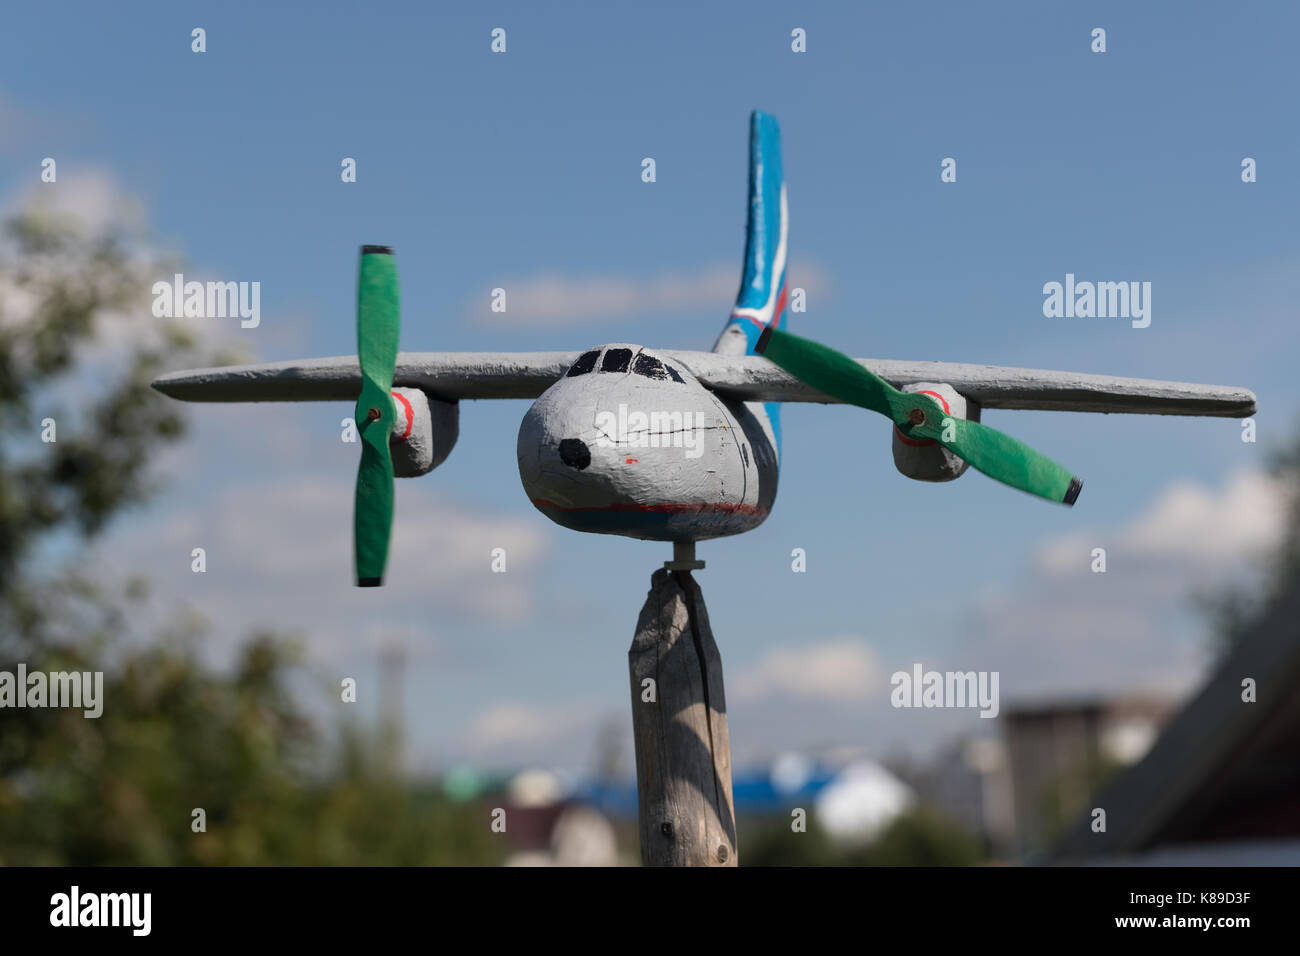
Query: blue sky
point(490, 170)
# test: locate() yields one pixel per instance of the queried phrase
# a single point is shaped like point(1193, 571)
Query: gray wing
point(448, 375)
point(754, 378)
point(457, 375)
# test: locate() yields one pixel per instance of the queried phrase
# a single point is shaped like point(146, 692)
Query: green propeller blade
point(378, 325)
point(919, 416)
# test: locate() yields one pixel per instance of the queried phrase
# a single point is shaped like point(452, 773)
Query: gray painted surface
point(434, 428)
point(456, 375)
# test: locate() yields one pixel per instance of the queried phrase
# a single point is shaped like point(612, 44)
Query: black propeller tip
point(1072, 492)
point(370, 582)
point(763, 339)
point(376, 250)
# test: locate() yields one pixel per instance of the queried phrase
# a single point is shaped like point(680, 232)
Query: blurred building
point(1017, 792)
point(1060, 754)
point(862, 801)
point(970, 784)
point(850, 797)
point(547, 828)
point(1221, 785)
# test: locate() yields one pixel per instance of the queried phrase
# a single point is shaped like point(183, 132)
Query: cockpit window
point(616, 360)
point(672, 373)
point(586, 362)
point(650, 367)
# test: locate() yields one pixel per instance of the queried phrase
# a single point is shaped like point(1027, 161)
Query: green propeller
point(920, 416)
point(378, 324)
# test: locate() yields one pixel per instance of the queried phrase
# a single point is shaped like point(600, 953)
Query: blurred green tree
point(919, 837)
point(1234, 611)
point(78, 344)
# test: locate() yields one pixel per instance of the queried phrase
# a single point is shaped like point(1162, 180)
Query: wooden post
point(679, 722)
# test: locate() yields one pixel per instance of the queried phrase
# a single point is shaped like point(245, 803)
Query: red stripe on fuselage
point(721, 507)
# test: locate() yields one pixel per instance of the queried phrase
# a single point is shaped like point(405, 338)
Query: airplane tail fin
point(761, 301)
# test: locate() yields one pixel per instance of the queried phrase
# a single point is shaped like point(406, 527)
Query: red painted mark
point(924, 442)
point(633, 461)
point(777, 313)
point(942, 401)
point(410, 415)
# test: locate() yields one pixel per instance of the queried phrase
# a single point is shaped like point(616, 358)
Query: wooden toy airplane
point(671, 445)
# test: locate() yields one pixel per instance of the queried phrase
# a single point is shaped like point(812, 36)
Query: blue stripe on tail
point(761, 300)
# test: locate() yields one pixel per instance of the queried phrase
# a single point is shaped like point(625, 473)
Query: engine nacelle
point(924, 458)
point(424, 432)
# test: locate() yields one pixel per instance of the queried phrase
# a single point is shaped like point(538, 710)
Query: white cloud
point(1063, 629)
point(298, 534)
point(1188, 523)
point(1188, 520)
point(844, 671)
point(512, 727)
point(302, 531)
point(556, 299)
point(504, 724)
point(90, 196)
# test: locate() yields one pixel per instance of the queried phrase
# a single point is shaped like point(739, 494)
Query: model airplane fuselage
point(629, 442)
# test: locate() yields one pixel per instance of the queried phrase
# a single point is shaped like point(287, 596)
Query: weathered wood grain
point(683, 752)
